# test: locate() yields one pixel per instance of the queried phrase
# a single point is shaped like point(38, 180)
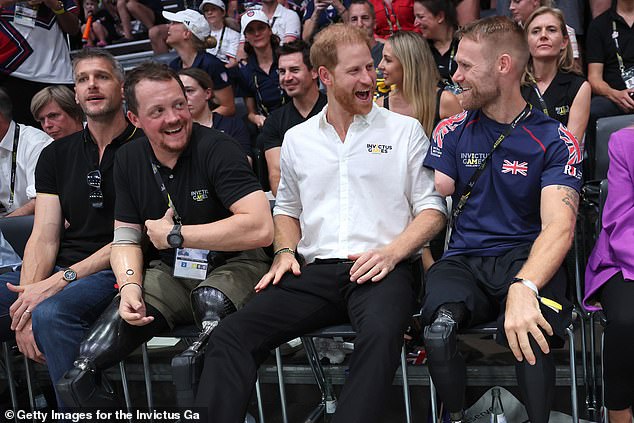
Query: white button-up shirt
point(356, 195)
point(30, 144)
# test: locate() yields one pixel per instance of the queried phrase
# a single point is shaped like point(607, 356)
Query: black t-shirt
point(283, 119)
point(211, 174)
point(601, 48)
point(235, 128)
point(62, 170)
point(558, 96)
point(446, 63)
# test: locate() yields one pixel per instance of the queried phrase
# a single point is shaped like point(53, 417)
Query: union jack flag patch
point(515, 167)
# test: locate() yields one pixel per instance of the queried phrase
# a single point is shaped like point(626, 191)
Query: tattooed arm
point(558, 213)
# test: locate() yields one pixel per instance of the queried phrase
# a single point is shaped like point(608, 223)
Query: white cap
point(253, 15)
point(217, 3)
point(194, 21)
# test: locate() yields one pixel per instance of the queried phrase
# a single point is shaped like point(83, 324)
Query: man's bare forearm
point(287, 232)
point(420, 231)
point(25, 210)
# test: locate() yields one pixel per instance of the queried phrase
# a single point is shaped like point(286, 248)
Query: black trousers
point(322, 295)
point(618, 350)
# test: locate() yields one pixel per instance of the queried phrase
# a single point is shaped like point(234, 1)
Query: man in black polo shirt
point(65, 281)
point(299, 80)
point(610, 55)
point(191, 189)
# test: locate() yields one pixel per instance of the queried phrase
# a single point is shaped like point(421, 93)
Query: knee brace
point(210, 305)
point(108, 341)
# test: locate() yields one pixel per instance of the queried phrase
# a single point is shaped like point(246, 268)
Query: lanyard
point(260, 101)
point(540, 98)
point(166, 195)
point(393, 27)
point(615, 37)
point(14, 163)
point(469, 187)
point(451, 56)
point(222, 37)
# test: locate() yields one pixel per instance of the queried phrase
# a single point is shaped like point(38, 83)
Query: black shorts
point(482, 283)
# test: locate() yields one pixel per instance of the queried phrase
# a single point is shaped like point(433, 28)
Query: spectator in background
point(199, 91)
point(284, 23)
point(17, 172)
point(551, 82)
point(102, 26)
point(610, 276)
point(610, 47)
point(610, 55)
point(189, 35)
point(393, 16)
point(361, 13)
point(146, 11)
point(34, 49)
point(299, 80)
point(437, 22)
point(228, 40)
point(321, 13)
point(407, 65)
point(522, 9)
point(258, 79)
point(57, 111)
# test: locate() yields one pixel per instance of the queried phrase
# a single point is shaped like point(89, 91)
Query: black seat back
point(17, 230)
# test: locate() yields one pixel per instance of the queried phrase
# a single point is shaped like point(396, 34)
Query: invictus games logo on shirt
point(378, 148)
point(200, 195)
point(472, 159)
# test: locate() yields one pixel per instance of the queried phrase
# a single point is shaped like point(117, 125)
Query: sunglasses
point(96, 195)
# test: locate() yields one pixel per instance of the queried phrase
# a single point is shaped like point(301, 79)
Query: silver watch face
point(69, 275)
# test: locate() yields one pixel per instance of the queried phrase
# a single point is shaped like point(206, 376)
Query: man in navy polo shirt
point(512, 230)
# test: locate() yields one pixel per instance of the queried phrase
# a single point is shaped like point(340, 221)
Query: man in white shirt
point(17, 171)
point(356, 203)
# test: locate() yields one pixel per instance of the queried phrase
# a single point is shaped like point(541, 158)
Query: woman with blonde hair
point(551, 82)
point(417, 90)
point(188, 34)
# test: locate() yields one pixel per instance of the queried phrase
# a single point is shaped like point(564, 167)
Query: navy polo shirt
point(503, 211)
point(210, 64)
point(235, 128)
point(263, 87)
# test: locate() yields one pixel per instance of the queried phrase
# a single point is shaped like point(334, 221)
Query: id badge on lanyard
point(25, 15)
point(191, 263)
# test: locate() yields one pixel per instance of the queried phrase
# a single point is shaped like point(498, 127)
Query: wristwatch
point(69, 275)
point(174, 238)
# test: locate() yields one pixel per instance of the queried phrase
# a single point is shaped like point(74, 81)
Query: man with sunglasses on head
point(65, 281)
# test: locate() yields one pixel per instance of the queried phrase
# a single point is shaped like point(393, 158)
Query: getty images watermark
point(107, 415)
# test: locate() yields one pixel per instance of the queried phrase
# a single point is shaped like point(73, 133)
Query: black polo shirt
point(210, 64)
point(62, 170)
point(283, 119)
point(211, 174)
point(558, 96)
point(446, 63)
point(600, 46)
point(263, 87)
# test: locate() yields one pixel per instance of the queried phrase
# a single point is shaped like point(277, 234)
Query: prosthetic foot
point(109, 341)
point(210, 306)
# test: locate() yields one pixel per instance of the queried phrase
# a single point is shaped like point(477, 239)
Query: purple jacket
point(614, 250)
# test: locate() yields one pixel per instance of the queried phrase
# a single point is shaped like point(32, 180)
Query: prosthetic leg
point(109, 341)
point(446, 365)
point(210, 306)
